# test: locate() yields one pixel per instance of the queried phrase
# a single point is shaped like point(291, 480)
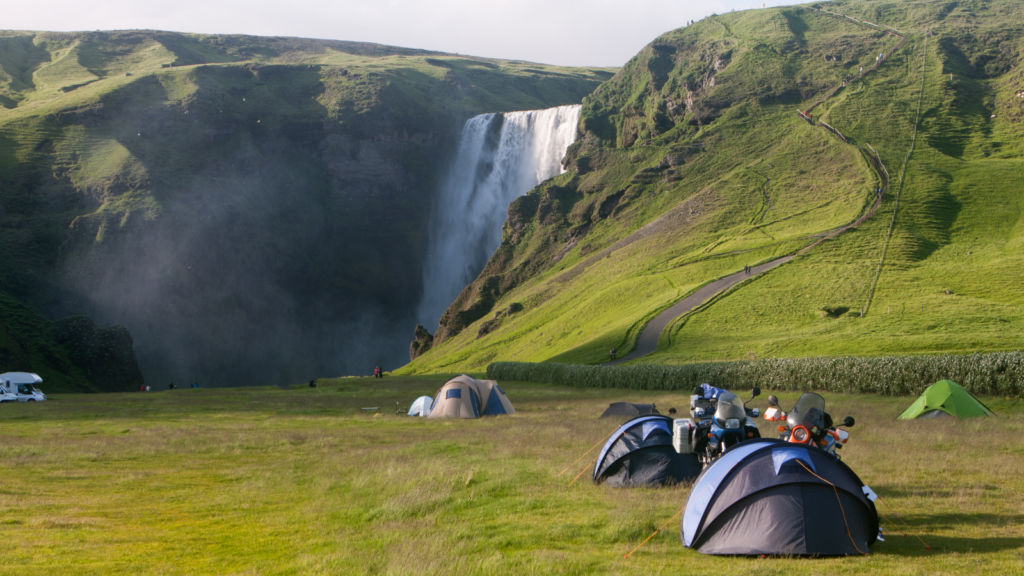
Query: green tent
point(946, 397)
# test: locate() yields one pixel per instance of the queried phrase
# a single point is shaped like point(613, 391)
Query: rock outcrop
point(422, 341)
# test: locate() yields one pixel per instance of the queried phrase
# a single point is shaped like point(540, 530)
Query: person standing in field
point(312, 383)
point(611, 353)
point(377, 372)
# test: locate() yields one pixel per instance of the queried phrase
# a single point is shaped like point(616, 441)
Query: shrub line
point(991, 374)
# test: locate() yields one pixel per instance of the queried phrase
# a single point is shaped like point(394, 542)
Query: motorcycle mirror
point(699, 391)
point(773, 401)
point(848, 421)
point(755, 392)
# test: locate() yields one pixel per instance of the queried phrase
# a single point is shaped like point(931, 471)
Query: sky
point(564, 32)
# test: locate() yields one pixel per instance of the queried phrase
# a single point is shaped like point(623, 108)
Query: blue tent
point(640, 453)
point(769, 497)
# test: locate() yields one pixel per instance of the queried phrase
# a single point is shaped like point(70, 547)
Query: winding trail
point(648, 340)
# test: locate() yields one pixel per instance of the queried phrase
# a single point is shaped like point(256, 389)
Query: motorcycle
point(808, 423)
point(731, 423)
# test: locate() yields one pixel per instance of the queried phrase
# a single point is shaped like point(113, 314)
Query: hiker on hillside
point(312, 383)
point(611, 353)
point(378, 373)
point(171, 386)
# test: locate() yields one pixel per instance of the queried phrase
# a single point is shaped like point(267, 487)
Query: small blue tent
point(640, 453)
point(421, 406)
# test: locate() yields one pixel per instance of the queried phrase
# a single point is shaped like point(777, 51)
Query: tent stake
point(926, 546)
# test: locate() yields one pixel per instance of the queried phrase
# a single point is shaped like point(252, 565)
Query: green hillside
point(248, 208)
point(694, 162)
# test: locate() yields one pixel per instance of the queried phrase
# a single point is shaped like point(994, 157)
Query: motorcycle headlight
point(800, 434)
point(732, 424)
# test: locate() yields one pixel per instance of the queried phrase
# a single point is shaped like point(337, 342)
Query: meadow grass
point(273, 481)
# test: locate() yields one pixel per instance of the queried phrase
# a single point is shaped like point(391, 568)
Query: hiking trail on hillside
point(647, 342)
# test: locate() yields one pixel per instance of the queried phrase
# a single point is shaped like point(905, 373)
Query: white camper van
point(20, 386)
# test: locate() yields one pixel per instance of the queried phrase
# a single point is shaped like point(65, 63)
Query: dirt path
point(651, 333)
point(648, 340)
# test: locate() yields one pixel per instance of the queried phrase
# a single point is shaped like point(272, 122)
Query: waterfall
point(500, 157)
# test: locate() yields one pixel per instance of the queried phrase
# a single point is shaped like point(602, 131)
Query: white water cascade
point(500, 157)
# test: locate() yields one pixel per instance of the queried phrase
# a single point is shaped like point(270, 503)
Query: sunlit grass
point(272, 481)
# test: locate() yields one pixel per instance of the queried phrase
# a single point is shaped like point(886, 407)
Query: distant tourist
point(172, 386)
point(195, 384)
point(142, 388)
point(378, 373)
point(148, 388)
point(611, 353)
point(312, 383)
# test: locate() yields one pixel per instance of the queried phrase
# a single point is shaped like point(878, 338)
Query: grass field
point(272, 481)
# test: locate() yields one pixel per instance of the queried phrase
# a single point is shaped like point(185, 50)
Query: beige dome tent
point(466, 397)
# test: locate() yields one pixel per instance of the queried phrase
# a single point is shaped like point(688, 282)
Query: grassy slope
point(268, 481)
point(960, 195)
point(94, 131)
point(957, 229)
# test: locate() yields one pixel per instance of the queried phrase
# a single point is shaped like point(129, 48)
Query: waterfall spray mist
point(500, 157)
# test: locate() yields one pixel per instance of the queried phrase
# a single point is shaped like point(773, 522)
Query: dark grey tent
point(628, 410)
point(766, 496)
point(640, 453)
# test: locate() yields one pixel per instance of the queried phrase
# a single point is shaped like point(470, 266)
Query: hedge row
point(996, 374)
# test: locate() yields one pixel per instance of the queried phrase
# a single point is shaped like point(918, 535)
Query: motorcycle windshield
point(729, 406)
point(809, 411)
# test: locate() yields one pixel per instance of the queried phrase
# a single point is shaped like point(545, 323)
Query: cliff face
point(252, 210)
